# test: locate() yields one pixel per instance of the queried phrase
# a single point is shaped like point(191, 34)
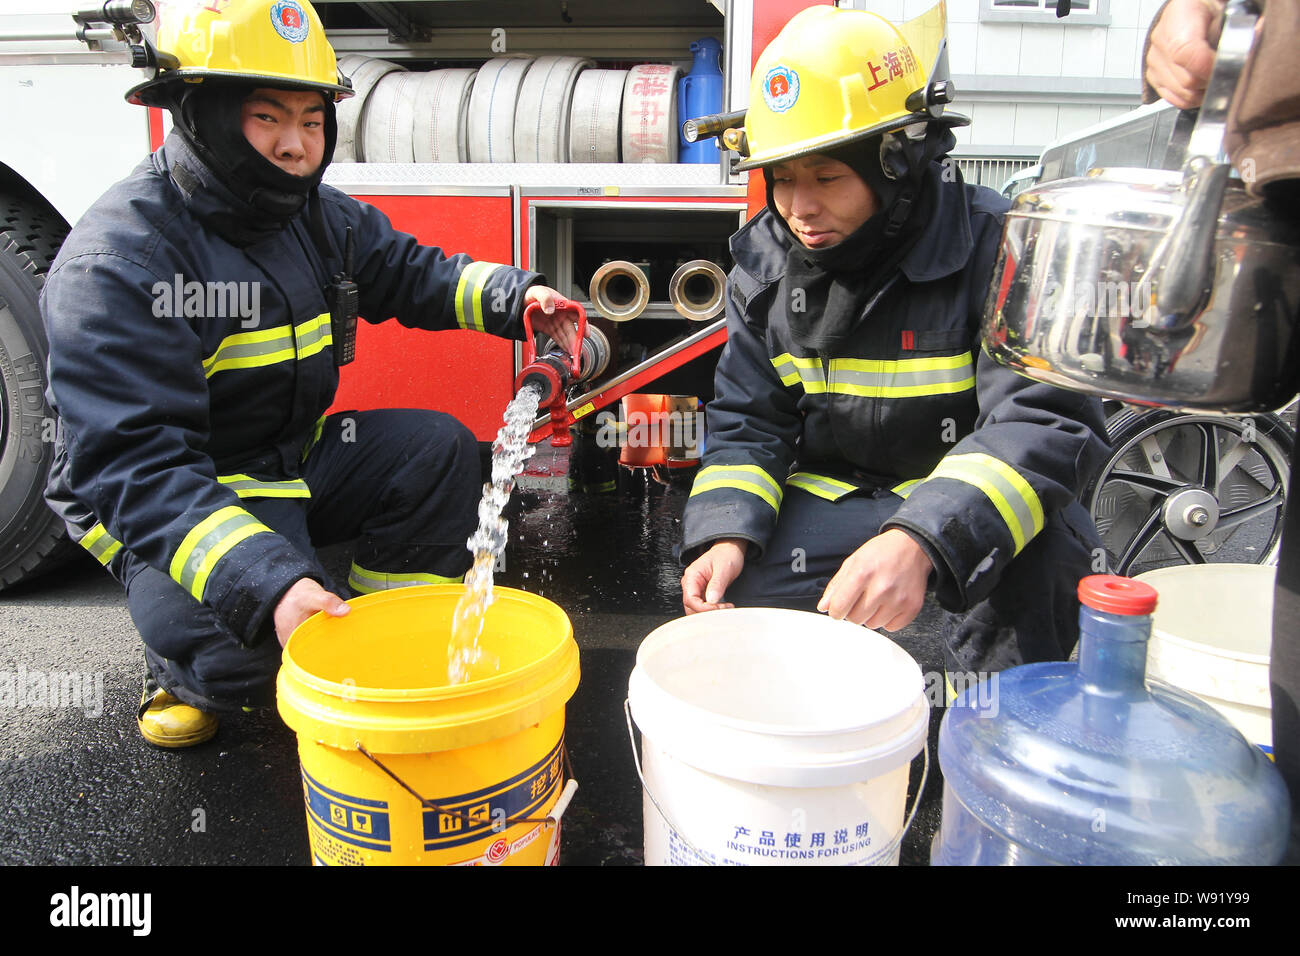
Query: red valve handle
point(530, 344)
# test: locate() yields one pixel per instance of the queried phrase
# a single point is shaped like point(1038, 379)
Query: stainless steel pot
point(1154, 287)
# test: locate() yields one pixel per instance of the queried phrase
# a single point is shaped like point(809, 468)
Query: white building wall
point(1026, 79)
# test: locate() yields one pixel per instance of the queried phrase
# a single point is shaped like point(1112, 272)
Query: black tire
point(1158, 454)
point(33, 539)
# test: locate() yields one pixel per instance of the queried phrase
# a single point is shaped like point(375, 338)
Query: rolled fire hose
point(344, 152)
point(492, 109)
point(595, 354)
point(620, 290)
point(441, 104)
point(650, 114)
point(593, 359)
point(696, 290)
point(596, 116)
point(349, 62)
point(389, 119)
point(542, 112)
point(351, 112)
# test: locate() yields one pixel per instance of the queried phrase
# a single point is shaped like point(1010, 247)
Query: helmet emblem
point(781, 88)
point(289, 20)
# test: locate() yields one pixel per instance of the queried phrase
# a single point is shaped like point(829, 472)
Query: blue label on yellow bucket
point(353, 820)
point(472, 816)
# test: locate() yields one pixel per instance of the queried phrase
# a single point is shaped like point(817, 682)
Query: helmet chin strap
point(906, 160)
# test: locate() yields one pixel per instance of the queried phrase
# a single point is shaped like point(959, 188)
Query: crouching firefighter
point(197, 316)
point(862, 447)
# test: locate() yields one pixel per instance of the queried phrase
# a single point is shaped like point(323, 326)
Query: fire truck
point(593, 193)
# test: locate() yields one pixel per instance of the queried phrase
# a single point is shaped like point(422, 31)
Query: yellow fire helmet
point(278, 43)
point(833, 77)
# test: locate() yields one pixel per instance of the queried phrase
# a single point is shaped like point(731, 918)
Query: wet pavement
point(80, 787)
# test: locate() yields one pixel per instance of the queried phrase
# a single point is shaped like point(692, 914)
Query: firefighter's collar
point(946, 243)
point(209, 199)
point(192, 177)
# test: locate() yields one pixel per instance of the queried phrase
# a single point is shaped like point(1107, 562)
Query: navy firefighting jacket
point(188, 373)
point(909, 403)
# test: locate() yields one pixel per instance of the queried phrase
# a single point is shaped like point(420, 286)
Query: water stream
point(509, 452)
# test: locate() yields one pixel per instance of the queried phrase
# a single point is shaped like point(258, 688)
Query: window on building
point(1079, 5)
point(1093, 13)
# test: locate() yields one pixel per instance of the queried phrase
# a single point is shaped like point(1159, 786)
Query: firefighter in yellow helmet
point(197, 317)
point(862, 449)
point(280, 44)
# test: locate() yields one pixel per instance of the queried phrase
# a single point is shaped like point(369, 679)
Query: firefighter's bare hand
point(300, 602)
point(1180, 59)
point(561, 324)
point(706, 579)
point(880, 585)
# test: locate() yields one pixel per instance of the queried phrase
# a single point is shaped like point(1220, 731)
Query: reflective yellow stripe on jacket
point(747, 478)
point(315, 437)
point(248, 487)
point(364, 581)
point(313, 335)
point(832, 489)
point(207, 543)
point(903, 489)
point(1015, 500)
point(879, 378)
point(269, 346)
point(101, 545)
point(794, 370)
point(469, 294)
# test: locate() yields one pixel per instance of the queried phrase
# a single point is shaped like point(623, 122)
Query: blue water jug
point(699, 93)
point(1087, 763)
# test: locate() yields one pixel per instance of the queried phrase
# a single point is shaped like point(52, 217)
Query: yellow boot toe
point(165, 721)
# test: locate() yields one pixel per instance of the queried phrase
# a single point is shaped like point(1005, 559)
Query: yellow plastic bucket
point(378, 723)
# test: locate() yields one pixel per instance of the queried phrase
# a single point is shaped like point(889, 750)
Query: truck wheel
point(32, 538)
point(1191, 489)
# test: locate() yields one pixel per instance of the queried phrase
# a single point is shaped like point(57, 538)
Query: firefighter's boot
point(165, 721)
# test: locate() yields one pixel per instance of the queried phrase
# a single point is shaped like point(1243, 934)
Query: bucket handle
point(551, 819)
point(880, 854)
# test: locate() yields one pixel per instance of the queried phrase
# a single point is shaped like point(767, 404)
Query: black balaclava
point(209, 117)
point(838, 282)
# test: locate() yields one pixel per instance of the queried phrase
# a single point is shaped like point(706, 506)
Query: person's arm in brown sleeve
point(1263, 135)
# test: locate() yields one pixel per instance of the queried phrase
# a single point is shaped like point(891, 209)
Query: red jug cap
point(1117, 595)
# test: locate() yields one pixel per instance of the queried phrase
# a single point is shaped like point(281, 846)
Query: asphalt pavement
point(79, 786)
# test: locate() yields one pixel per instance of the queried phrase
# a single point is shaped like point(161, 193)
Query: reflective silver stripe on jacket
point(469, 294)
point(832, 489)
point(248, 487)
point(1011, 494)
point(269, 346)
point(101, 545)
point(207, 543)
point(365, 581)
point(748, 478)
point(879, 378)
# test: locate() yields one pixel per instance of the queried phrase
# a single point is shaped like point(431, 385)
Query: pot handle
point(1184, 261)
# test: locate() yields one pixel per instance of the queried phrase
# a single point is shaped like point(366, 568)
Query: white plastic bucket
point(775, 737)
point(1210, 636)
